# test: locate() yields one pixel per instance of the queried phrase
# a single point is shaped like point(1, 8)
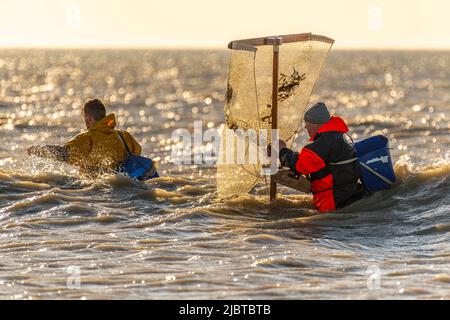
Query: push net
point(249, 102)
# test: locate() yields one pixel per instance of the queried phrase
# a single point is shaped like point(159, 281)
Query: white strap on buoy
point(389, 182)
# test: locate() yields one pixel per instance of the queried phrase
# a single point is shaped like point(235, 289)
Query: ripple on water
point(436, 229)
point(264, 239)
point(281, 262)
point(29, 185)
point(444, 278)
point(4, 177)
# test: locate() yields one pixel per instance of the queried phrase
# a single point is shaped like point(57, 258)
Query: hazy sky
point(181, 23)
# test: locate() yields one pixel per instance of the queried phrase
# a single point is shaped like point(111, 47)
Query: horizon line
point(207, 44)
point(203, 47)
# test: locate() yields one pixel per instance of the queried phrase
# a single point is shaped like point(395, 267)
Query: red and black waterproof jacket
point(333, 186)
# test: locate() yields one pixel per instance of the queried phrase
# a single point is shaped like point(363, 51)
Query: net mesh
point(249, 102)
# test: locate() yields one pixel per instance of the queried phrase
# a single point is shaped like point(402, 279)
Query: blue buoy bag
point(137, 167)
point(376, 163)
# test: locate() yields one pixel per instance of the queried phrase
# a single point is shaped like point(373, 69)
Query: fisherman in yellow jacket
point(98, 150)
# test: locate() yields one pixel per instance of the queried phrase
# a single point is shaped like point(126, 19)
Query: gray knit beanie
point(317, 114)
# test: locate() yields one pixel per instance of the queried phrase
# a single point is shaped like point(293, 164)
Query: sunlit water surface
point(170, 238)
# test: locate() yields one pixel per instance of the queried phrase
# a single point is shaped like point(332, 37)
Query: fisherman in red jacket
point(329, 162)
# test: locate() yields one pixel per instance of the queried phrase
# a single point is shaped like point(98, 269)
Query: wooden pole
point(276, 42)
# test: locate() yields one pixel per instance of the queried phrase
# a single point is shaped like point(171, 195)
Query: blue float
point(376, 163)
point(138, 167)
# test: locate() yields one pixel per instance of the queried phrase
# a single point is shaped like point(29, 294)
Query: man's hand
point(281, 145)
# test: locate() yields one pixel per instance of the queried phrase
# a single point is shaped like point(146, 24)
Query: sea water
point(62, 236)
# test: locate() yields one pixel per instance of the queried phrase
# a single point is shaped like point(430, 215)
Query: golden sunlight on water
point(170, 238)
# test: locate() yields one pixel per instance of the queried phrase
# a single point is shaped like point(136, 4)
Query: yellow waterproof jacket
point(100, 149)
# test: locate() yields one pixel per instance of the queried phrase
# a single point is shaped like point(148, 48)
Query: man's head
point(93, 111)
point(315, 117)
